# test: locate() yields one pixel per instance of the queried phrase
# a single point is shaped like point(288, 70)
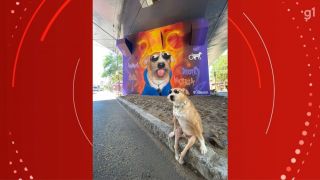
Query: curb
point(210, 165)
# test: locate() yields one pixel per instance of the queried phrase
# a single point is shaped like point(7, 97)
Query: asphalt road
point(125, 150)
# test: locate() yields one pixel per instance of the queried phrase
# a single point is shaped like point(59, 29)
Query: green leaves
point(219, 71)
point(112, 65)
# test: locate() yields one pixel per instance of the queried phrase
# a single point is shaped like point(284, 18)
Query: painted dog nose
point(161, 65)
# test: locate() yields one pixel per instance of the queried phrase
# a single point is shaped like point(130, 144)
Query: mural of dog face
point(157, 74)
point(159, 65)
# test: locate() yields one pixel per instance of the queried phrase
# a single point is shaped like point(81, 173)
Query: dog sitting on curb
point(189, 122)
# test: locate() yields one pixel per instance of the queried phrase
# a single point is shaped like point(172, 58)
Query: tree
point(112, 65)
point(219, 71)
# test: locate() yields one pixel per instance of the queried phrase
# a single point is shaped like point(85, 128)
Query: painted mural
point(162, 59)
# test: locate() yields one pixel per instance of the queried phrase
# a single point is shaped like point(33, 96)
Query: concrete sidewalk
point(124, 150)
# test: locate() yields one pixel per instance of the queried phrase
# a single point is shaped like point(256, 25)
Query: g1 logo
point(308, 14)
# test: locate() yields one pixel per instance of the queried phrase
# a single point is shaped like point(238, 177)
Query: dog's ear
point(186, 92)
point(145, 61)
point(172, 60)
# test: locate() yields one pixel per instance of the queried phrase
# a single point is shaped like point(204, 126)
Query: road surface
point(124, 150)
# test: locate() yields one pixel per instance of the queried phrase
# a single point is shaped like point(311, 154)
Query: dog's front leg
point(203, 148)
point(171, 134)
point(177, 133)
point(191, 141)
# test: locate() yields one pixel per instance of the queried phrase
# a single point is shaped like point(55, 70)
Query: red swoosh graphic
point(21, 42)
point(54, 17)
point(250, 47)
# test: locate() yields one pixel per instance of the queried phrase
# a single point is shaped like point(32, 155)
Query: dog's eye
point(166, 56)
point(154, 58)
point(176, 91)
point(170, 91)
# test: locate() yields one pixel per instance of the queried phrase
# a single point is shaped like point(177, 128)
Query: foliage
point(219, 70)
point(112, 65)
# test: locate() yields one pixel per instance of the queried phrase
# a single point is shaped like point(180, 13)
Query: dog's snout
point(171, 97)
point(161, 65)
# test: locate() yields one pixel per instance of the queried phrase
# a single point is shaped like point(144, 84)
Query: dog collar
point(181, 105)
point(158, 84)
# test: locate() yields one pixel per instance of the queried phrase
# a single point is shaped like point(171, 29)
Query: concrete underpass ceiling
point(113, 19)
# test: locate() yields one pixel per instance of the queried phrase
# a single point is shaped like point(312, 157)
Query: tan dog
point(189, 122)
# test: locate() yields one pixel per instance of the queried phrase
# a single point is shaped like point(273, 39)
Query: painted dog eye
point(166, 56)
point(154, 58)
point(176, 91)
point(170, 91)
